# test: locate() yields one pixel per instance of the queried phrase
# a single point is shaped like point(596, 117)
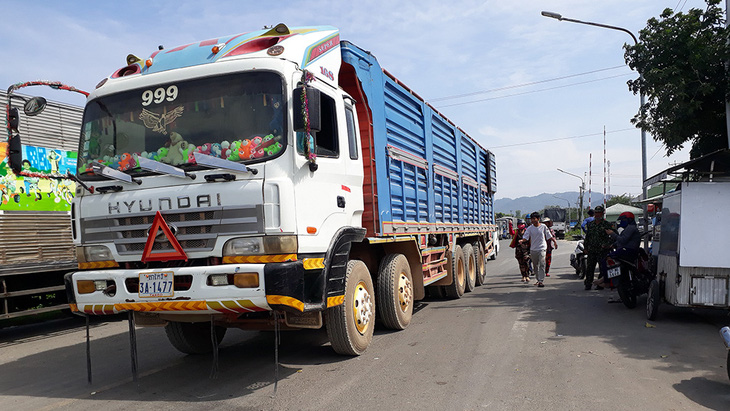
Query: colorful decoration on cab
point(307, 77)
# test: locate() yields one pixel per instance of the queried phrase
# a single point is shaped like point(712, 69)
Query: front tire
point(192, 338)
point(458, 273)
point(471, 268)
point(350, 325)
point(394, 297)
point(652, 300)
point(624, 289)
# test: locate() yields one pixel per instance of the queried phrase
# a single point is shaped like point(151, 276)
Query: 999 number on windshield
point(159, 95)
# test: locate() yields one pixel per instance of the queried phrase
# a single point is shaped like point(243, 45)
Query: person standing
point(597, 244)
point(551, 245)
point(538, 235)
point(586, 221)
point(521, 252)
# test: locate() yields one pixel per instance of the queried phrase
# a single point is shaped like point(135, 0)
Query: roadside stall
point(693, 265)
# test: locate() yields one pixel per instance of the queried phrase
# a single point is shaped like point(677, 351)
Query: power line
point(562, 138)
point(524, 84)
point(534, 91)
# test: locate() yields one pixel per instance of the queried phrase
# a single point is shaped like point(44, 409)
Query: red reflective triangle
point(147, 255)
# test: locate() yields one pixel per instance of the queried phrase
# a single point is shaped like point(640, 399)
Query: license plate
point(614, 272)
point(156, 285)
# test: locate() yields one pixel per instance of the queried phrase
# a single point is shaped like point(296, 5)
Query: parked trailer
point(692, 262)
point(36, 248)
point(273, 178)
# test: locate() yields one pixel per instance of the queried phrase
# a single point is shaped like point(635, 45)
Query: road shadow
point(246, 365)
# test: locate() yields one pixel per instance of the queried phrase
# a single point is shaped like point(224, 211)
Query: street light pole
point(559, 17)
point(581, 189)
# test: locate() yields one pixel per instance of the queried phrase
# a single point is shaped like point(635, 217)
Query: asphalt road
point(506, 346)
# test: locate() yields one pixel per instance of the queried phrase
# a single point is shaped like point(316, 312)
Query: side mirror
point(34, 106)
point(313, 100)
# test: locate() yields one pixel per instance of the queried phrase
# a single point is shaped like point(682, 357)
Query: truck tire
point(458, 271)
point(350, 325)
point(481, 262)
point(471, 268)
point(652, 300)
point(394, 294)
point(192, 338)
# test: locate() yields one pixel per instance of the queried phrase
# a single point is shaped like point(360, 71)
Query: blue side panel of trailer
point(428, 172)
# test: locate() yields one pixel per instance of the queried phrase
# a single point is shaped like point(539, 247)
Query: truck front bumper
point(197, 295)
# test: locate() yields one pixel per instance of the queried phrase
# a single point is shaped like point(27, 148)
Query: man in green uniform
point(597, 245)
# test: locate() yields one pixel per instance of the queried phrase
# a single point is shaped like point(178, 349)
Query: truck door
point(330, 197)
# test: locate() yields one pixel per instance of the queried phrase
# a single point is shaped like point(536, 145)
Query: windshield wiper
point(159, 167)
point(211, 161)
point(104, 171)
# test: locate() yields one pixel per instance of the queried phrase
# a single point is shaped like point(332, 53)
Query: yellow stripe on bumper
point(259, 259)
point(284, 300)
point(98, 264)
point(313, 263)
point(334, 301)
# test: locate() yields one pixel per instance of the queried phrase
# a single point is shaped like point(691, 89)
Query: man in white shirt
point(538, 235)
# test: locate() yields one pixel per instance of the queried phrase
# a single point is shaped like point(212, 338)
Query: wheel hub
point(362, 307)
point(405, 292)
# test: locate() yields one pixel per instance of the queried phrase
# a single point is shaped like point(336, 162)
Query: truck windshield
point(238, 117)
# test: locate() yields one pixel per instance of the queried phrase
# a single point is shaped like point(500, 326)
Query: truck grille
point(195, 229)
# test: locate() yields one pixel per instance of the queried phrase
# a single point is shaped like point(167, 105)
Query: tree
point(682, 58)
point(622, 199)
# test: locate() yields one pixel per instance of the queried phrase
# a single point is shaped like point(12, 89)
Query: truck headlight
point(93, 253)
point(261, 245)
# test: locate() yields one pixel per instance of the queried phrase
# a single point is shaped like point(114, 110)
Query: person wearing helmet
point(597, 245)
point(629, 241)
point(552, 244)
point(521, 251)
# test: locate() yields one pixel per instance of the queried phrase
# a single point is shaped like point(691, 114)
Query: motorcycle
point(634, 276)
point(578, 260)
point(725, 334)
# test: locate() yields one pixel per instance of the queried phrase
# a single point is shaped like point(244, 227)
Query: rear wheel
point(481, 263)
point(471, 268)
point(652, 300)
point(350, 325)
point(625, 289)
point(458, 273)
point(193, 338)
point(394, 295)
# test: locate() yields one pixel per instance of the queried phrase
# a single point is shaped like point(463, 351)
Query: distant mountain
point(536, 203)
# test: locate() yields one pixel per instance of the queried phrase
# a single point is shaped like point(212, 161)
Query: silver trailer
point(690, 240)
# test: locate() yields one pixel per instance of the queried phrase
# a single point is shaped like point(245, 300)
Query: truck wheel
point(471, 268)
point(192, 338)
point(458, 272)
point(481, 263)
point(394, 294)
point(350, 325)
point(653, 300)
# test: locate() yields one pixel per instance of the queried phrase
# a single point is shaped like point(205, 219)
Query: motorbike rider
point(629, 241)
point(597, 244)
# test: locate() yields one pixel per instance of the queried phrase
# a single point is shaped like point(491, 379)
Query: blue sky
point(503, 53)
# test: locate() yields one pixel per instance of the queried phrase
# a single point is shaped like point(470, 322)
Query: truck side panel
point(418, 152)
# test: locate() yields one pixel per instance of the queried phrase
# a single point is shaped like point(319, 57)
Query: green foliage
point(500, 215)
point(620, 199)
point(682, 58)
